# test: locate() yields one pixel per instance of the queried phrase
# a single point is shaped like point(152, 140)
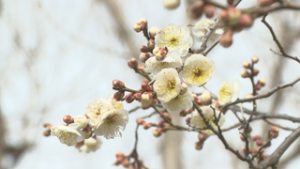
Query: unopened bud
point(254, 59)
point(246, 21)
point(118, 85)
point(132, 63)
point(47, 132)
point(126, 162)
point(274, 129)
point(206, 97)
point(144, 57)
point(160, 53)
point(68, 119)
point(120, 154)
point(245, 73)
point(141, 68)
point(247, 65)
point(87, 132)
point(242, 137)
point(256, 150)
point(144, 49)
point(202, 136)
point(151, 43)
point(184, 88)
point(209, 11)
point(145, 86)
point(119, 96)
point(166, 116)
point(140, 121)
point(259, 142)
point(137, 96)
point(255, 71)
point(157, 132)
point(140, 25)
point(162, 124)
point(234, 15)
point(188, 120)
point(244, 150)
point(146, 125)
point(262, 82)
point(273, 134)
point(223, 15)
point(153, 31)
point(195, 11)
point(146, 100)
point(46, 124)
point(226, 40)
point(198, 145)
point(256, 137)
point(129, 97)
point(171, 4)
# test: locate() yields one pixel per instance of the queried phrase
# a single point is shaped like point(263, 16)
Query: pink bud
point(160, 53)
point(157, 132)
point(223, 15)
point(146, 125)
point(140, 25)
point(140, 121)
point(209, 11)
point(184, 88)
point(264, 3)
point(47, 133)
point(262, 82)
point(247, 65)
point(196, 10)
point(119, 96)
point(202, 136)
point(259, 142)
point(144, 57)
point(245, 73)
point(146, 100)
point(188, 120)
point(256, 137)
point(145, 86)
point(132, 63)
point(151, 43)
point(255, 71)
point(274, 129)
point(199, 145)
point(153, 31)
point(126, 162)
point(46, 124)
point(166, 116)
point(254, 59)
point(144, 49)
point(246, 21)
point(242, 137)
point(230, 2)
point(68, 119)
point(129, 97)
point(118, 85)
point(137, 96)
point(226, 40)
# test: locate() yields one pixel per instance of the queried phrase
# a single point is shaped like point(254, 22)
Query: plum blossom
point(229, 91)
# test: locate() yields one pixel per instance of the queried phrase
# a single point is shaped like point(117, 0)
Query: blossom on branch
point(69, 135)
point(229, 91)
point(208, 112)
point(172, 60)
point(167, 85)
point(179, 103)
point(94, 109)
point(175, 38)
point(198, 70)
point(112, 123)
point(202, 27)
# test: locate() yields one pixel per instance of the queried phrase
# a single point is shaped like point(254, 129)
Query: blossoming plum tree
point(170, 68)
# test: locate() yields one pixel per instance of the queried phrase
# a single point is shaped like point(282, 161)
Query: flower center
point(171, 84)
point(197, 72)
point(173, 42)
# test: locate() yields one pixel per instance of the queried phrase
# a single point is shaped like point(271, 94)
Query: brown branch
point(276, 155)
point(283, 53)
point(263, 95)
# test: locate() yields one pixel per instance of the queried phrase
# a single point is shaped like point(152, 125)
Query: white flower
point(175, 38)
point(229, 91)
point(202, 27)
point(198, 70)
point(68, 135)
point(167, 85)
point(94, 109)
point(90, 145)
point(179, 103)
point(111, 123)
point(208, 112)
point(172, 60)
point(113, 103)
point(82, 120)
